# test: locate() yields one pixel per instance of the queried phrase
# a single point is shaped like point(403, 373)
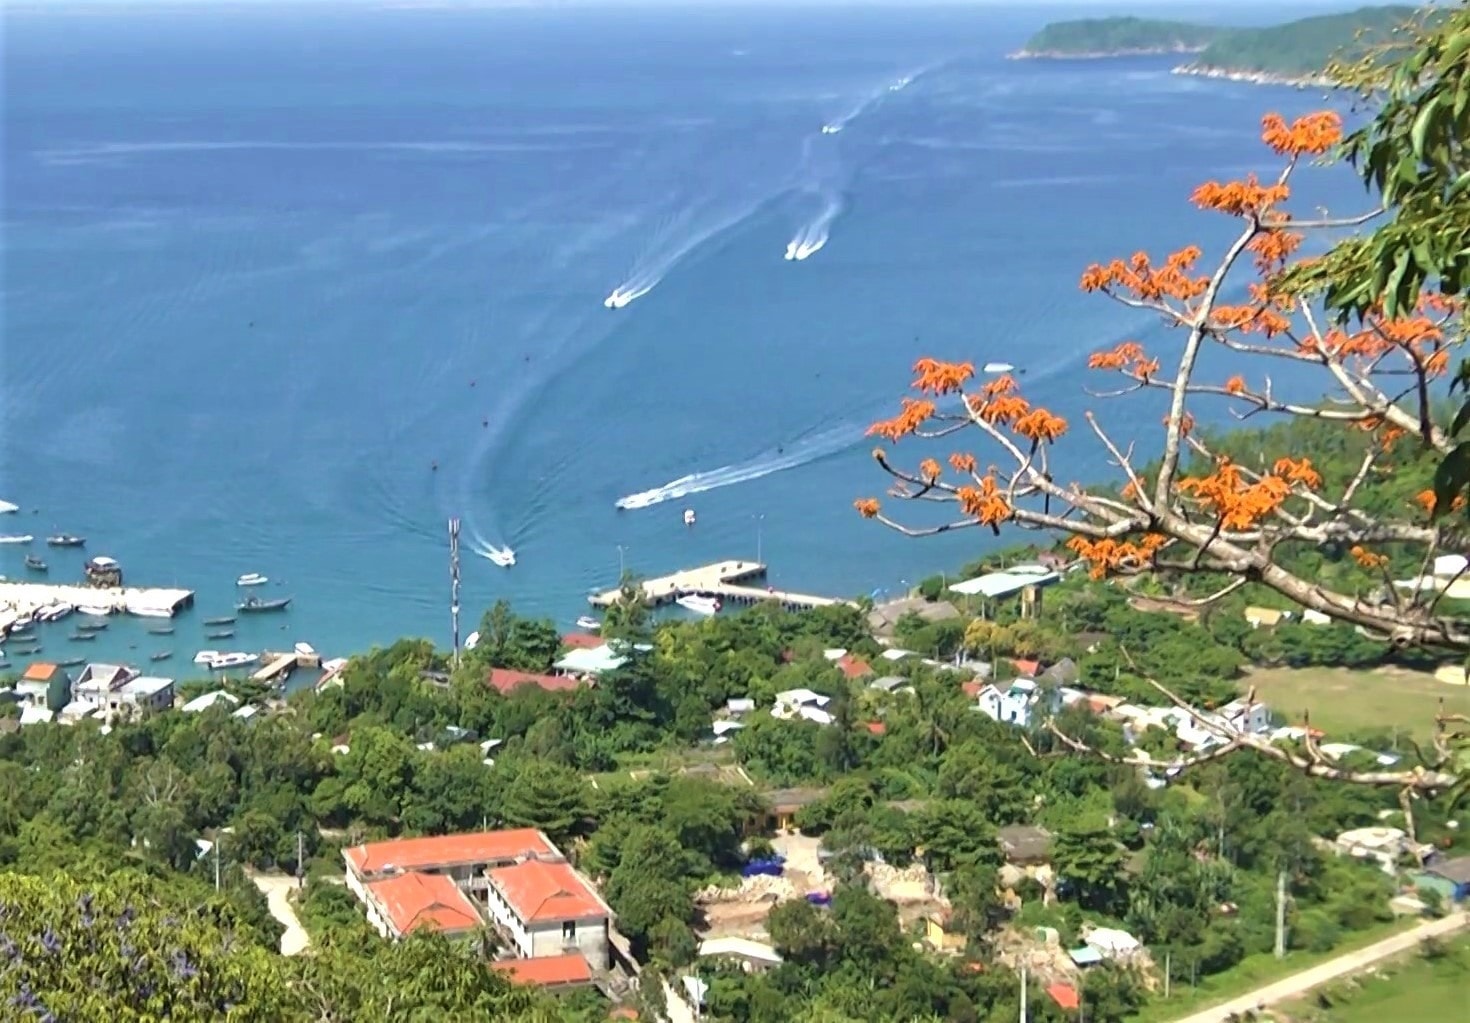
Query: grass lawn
point(1340, 699)
point(1413, 988)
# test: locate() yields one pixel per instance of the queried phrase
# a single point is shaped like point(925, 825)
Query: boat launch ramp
point(727, 580)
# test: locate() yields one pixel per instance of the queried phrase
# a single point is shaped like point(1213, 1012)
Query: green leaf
point(1451, 477)
point(1422, 125)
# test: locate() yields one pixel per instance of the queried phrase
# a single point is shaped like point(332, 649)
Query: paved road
point(277, 889)
point(1352, 962)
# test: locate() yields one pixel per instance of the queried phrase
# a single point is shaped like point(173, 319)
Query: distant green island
point(1291, 53)
point(1118, 37)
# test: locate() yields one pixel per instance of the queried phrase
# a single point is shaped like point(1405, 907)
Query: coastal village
point(554, 928)
point(1191, 750)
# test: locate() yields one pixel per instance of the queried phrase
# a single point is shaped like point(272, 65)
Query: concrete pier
point(726, 580)
point(19, 599)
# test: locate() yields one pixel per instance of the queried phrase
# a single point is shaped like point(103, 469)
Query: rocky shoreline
point(1257, 77)
point(1140, 51)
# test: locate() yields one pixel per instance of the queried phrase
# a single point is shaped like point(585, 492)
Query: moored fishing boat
point(254, 605)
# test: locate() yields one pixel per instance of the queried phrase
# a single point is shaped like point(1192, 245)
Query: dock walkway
point(723, 580)
point(23, 598)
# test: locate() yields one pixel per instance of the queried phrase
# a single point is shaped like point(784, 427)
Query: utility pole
point(216, 861)
point(1281, 915)
point(300, 865)
point(454, 586)
point(622, 567)
point(1023, 993)
point(1168, 963)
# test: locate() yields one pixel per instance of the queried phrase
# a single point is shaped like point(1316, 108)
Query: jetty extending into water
point(21, 599)
point(726, 580)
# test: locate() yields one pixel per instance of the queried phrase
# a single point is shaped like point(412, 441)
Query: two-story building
point(517, 878)
point(112, 688)
point(549, 910)
point(403, 903)
point(1022, 703)
point(43, 685)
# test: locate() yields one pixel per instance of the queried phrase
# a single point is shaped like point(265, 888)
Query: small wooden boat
point(82, 637)
point(254, 605)
point(35, 564)
point(71, 662)
point(66, 540)
point(92, 625)
point(227, 620)
point(220, 634)
point(251, 579)
point(162, 655)
point(161, 630)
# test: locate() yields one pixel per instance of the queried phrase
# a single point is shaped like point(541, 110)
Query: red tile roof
point(972, 688)
point(1027, 668)
point(547, 971)
point(623, 1012)
point(506, 680)
point(1064, 995)
point(582, 641)
point(854, 667)
point(415, 901)
point(448, 850)
point(40, 671)
point(875, 727)
point(542, 891)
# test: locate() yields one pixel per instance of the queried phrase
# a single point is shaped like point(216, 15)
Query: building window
point(569, 931)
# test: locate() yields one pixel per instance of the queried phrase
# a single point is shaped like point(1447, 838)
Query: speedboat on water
point(589, 623)
point(502, 556)
point(6, 507)
point(831, 129)
point(223, 661)
point(254, 605)
point(998, 367)
point(699, 605)
point(688, 516)
point(251, 579)
point(24, 538)
point(66, 540)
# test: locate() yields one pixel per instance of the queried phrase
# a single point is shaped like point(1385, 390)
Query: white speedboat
point(206, 656)
point(24, 538)
point(224, 661)
point(251, 579)
point(589, 623)
point(688, 516)
point(502, 556)
point(998, 367)
point(699, 605)
point(6, 507)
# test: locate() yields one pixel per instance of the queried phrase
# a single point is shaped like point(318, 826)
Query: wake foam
point(813, 236)
point(803, 452)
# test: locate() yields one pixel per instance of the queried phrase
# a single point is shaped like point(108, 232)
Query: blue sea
point(285, 288)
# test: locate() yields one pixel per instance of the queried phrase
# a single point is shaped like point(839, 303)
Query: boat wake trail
point(835, 126)
point(813, 235)
point(683, 235)
point(803, 452)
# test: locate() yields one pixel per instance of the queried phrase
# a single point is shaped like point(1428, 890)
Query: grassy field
point(1341, 700)
point(1413, 989)
point(1253, 972)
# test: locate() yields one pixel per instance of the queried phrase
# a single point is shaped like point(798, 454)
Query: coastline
point(1137, 51)
point(1256, 77)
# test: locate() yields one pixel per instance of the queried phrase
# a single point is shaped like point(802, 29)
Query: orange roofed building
point(552, 973)
point(461, 858)
point(404, 903)
point(549, 910)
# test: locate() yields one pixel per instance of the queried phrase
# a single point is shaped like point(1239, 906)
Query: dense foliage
point(1303, 47)
point(1118, 36)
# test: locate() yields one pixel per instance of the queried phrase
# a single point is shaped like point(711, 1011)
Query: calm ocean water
point(264, 267)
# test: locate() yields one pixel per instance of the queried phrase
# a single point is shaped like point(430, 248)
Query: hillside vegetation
point(1302, 47)
point(1296, 49)
point(1109, 37)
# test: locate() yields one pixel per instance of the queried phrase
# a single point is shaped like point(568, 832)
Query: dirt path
point(277, 890)
point(1305, 981)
